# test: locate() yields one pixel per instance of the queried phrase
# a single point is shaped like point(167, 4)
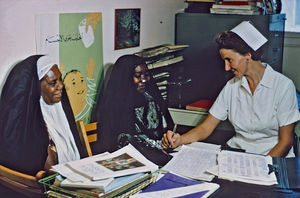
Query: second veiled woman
point(131, 110)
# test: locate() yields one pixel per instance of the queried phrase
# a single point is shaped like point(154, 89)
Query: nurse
point(260, 103)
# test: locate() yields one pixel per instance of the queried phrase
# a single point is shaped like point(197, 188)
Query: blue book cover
point(121, 181)
point(169, 181)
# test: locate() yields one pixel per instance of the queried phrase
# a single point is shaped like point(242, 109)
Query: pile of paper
point(106, 171)
point(204, 161)
point(193, 160)
point(246, 167)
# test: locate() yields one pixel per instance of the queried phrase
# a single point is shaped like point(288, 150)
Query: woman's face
point(141, 77)
point(235, 62)
point(51, 86)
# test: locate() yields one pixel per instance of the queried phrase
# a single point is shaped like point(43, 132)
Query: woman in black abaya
point(25, 133)
point(131, 110)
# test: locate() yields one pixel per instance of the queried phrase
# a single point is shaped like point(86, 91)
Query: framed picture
point(127, 28)
point(272, 6)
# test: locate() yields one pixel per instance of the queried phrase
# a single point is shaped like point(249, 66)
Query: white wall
point(17, 35)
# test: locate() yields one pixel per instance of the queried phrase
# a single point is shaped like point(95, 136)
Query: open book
point(124, 161)
point(74, 176)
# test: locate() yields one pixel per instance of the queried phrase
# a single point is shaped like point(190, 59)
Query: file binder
point(287, 171)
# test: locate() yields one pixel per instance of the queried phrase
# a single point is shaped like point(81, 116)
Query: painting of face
point(141, 77)
point(77, 90)
point(51, 86)
point(234, 62)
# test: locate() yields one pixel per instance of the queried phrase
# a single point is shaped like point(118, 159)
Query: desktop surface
point(234, 189)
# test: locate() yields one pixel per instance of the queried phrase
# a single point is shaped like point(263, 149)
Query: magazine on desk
point(124, 161)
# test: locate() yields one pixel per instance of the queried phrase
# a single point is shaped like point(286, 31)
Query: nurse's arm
point(200, 132)
point(285, 142)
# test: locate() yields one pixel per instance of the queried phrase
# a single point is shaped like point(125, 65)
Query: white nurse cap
point(44, 64)
point(250, 35)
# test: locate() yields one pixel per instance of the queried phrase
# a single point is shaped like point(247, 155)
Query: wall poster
point(75, 41)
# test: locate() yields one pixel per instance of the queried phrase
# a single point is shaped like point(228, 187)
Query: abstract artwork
point(127, 28)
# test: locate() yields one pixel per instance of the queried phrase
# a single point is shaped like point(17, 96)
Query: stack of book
point(158, 60)
point(200, 105)
point(236, 2)
point(199, 6)
point(124, 171)
point(242, 7)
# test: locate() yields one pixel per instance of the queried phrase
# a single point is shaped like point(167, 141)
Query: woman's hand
point(170, 140)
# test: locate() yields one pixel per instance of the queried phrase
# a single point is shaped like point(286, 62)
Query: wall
point(17, 36)
point(291, 57)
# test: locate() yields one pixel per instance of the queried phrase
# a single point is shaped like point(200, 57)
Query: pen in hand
point(169, 149)
point(174, 129)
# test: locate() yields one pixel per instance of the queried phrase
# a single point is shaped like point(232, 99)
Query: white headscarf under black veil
point(23, 136)
point(56, 120)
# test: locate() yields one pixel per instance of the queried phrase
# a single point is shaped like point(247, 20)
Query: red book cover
point(234, 2)
point(200, 105)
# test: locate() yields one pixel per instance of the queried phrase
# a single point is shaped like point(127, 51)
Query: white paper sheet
point(47, 35)
point(246, 167)
point(68, 173)
point(202, 145)
point(193, 162)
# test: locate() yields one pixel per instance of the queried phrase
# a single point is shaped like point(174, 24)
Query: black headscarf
point(23, 135)
point(114, 110)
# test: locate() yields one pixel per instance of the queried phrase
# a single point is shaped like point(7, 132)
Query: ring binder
point(272, 168)
point(281, 173)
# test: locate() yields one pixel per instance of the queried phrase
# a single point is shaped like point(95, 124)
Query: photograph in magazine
point(121, 162)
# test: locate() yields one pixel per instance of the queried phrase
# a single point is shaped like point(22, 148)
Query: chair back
point(87, 134)
point(22, 183)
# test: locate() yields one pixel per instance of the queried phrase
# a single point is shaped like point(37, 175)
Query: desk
point(230, 189)
point(243, 190)
point(224, 131)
